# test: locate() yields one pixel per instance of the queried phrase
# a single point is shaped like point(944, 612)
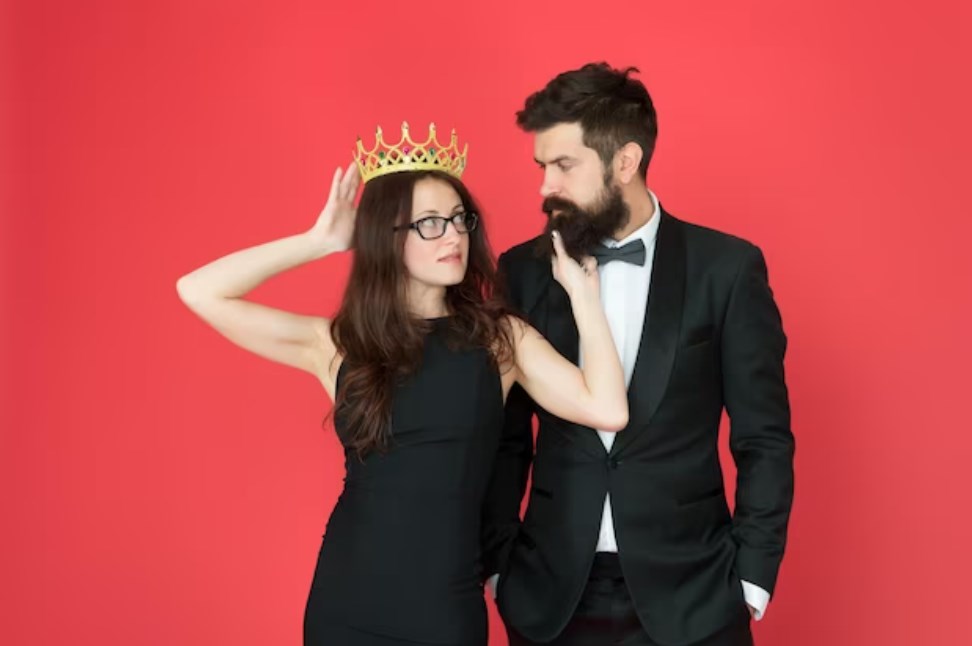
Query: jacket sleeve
point(760, 439)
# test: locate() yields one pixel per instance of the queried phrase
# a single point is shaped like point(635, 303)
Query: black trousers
point(606, 616)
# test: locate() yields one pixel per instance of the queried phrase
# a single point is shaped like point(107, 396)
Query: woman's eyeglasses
point(435, 226)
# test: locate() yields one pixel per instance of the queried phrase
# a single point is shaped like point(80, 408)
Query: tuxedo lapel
point(663, 319)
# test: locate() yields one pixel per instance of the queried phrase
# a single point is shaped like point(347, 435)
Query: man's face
point(571, 170)
point(579, 196)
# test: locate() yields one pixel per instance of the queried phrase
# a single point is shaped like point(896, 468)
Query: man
point(627, 538)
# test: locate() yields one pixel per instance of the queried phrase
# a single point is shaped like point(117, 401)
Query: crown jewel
point(409, 155)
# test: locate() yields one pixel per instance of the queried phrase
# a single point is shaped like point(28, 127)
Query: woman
point(418, 361)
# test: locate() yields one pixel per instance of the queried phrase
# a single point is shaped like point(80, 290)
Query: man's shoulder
point(522, 274)
point(523, 255)
point(711, 242)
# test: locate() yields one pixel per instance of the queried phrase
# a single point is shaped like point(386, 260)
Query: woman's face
point(438, 261)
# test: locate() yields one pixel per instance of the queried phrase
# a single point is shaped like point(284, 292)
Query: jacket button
point(614, 462)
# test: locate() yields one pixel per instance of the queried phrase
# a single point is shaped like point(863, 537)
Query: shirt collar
point(646, 232)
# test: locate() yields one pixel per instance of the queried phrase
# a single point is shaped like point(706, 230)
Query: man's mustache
point(552, 204)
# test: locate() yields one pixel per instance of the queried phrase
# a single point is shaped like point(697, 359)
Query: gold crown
point(408, 155)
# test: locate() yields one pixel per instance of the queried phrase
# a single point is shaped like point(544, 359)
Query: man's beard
point(581, 230)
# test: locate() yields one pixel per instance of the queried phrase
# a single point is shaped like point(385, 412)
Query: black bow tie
point(633, 252)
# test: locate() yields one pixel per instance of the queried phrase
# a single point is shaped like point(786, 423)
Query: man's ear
point(626, 162)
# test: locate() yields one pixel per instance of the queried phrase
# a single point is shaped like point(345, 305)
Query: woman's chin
point(450, 276)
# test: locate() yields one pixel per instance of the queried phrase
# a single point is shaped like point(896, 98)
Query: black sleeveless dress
point(400, 560)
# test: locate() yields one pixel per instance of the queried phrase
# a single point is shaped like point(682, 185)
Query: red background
point(161, 486)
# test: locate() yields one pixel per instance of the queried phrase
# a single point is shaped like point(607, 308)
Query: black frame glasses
point(435, 226)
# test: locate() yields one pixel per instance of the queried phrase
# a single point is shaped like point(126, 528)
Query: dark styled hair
point(612, 109)
point(380, 340)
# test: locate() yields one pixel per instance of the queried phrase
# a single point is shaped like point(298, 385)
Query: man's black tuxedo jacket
point(712, 340)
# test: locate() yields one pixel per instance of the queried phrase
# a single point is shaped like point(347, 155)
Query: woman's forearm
point(600, 363)
point(238, 273)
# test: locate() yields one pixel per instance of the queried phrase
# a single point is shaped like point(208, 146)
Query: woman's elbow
point(187, 291)
point(615, 422)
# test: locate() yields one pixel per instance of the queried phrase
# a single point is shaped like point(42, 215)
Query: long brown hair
point(380, 339)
